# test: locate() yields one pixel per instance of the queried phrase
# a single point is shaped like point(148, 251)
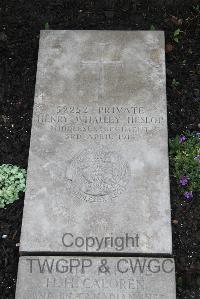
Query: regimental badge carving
point(97, 174)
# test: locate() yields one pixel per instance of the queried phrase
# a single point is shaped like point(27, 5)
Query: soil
point(20, 24)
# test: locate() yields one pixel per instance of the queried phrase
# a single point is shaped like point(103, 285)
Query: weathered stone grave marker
point(89, 277)
point(98, 177)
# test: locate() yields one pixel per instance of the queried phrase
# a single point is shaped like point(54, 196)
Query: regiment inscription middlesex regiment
point(98, 164)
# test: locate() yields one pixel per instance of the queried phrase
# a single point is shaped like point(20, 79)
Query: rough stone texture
point(85, 278)
point(98, 163)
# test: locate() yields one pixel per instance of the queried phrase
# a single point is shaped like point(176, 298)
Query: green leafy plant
point(197, 7)
point(179, 281)
point(152, 27)
point(185, 161)
point(46, 26)
point(176, 35)
point(12, 182)
point(175, 83)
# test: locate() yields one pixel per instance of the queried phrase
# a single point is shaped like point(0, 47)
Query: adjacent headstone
point(95, 278)
point(98, 164)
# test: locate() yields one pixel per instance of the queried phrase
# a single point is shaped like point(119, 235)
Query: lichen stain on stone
point(155, 55)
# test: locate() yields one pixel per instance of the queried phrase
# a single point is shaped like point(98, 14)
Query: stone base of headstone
point(64, 277)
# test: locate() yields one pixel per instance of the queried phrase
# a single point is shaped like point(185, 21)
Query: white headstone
point(98, 166)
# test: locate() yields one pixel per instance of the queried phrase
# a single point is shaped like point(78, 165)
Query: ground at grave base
point(19, 36)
